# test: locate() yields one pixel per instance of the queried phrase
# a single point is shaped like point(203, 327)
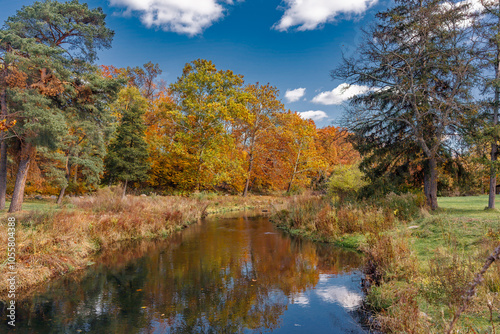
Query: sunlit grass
point(451, 245)
point(34, 205)
point(470, 206)
point(461, 222)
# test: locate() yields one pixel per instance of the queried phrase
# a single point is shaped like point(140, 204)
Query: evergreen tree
point(46, 45)
point(418, 66)
point(127, 158)
point(83, 148)
point(488, 24)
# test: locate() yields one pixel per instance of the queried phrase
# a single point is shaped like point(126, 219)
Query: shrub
point(404, 315)
point(315, 217)
point(345, 182)
point(388, 257)
point(405, 206)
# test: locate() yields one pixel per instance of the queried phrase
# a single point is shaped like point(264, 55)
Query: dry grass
point(316, 218)
point(57, 241)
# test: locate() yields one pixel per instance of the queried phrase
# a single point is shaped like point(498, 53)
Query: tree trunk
point(294, 170)
point(63, 188)
point(125, 189)
point(61, 195)
point(427, 183)
point(27, 153)
point(3, 152)
point(249, 171)
point(75, 177)
point(198, 176)
point(290, 183)
point(3, 173)
point(494, 147)
point(431, 192)
point(493, 177)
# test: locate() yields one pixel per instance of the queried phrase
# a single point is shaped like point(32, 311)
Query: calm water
point(231, 275)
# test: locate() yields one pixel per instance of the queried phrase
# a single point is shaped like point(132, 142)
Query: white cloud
point(294, 94)
point(342, 93)
point(189, 17)
point(310, 14)
point(475, 7)
point(315, 115)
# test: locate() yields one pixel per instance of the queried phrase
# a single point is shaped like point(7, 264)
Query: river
point(222, 275)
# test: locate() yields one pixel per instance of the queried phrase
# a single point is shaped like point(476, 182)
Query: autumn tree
point(69, 35)
point(127, 158)
point(334, 149)
point(289, 157)
point(417, 63)
point(297, 137)
point(207, 103)
point(345, 181)
point(262, 105)
point(145, 78)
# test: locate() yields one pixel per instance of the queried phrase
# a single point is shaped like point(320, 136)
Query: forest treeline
point(210, 131)
point(70, 125)
point(427, 117)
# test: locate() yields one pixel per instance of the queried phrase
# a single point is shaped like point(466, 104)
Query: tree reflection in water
point(219, 276)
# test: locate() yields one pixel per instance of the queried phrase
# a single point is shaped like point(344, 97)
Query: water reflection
point(221, 276)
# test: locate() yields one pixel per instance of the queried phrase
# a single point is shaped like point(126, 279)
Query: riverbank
point(54, 240)
point(418, 264)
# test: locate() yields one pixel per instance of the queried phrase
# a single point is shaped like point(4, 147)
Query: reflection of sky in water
point(300, 299)
point(339, 294)
point(349, 300)
point(330, 307)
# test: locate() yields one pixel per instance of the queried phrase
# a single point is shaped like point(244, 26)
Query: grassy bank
point(419, 264)
point(447, 249)
point(52, 240)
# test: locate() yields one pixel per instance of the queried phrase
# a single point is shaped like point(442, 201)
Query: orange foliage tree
point(195, 139)
point(334, 149)
point(262, 106)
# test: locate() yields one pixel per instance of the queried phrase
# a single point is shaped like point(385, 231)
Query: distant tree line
point(68, 125)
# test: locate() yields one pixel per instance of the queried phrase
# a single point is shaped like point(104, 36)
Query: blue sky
point(291, 44)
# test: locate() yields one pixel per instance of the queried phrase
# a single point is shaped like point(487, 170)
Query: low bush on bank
point(318, 218)
point(422, 297)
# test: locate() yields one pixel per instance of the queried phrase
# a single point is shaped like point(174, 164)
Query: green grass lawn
point(461, 224)
point(34, 205)
point(471, 206)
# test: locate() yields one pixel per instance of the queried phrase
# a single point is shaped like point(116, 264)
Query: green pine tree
point(48, 47)
point(127, 158)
